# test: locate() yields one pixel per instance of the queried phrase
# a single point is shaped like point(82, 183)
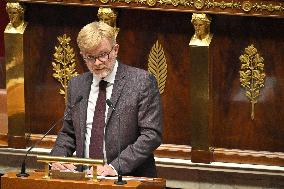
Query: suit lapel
point(119, 83)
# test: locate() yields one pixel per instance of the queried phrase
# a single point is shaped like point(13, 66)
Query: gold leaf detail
point(151, 2)
point(246, 6)
point(198, 4)
point(252, 74)
point(104, 1)
point(157, 65)
point(64, 63)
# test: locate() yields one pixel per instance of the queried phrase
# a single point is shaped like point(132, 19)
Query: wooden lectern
point(36, 181)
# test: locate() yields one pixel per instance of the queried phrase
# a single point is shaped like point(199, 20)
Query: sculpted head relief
point(108, 16)
point(16, 15)
point(202, 35)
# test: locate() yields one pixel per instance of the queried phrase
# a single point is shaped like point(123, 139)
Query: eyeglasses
point(101, 57)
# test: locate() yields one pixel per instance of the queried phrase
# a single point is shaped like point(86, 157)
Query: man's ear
point(116, 48)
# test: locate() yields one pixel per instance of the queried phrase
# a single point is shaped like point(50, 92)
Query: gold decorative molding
point(157, 65)
point(64, 63)
point(259, 7)
point(252, 74)
point(265, 8)
point(245, 6)
point(151, 3)
point(222, 4)
point(199, 4)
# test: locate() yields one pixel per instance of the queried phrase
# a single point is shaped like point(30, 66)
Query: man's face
point(101, 60)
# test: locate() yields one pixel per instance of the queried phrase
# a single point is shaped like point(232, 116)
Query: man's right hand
point(64, 167)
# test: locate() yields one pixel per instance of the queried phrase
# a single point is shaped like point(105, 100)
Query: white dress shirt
point(94, 92)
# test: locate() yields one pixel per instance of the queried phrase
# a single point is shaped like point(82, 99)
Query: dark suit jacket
point(136, 98)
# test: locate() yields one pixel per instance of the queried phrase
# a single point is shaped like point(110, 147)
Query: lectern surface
point(36, 181)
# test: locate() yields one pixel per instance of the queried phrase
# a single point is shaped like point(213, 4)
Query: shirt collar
point(110, 78)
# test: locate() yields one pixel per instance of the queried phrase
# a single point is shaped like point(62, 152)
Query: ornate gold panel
point(64, 63)
point(245, 6)
point(252, 74)
point(157, 65)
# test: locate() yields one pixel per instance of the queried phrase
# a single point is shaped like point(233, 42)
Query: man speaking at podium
point(92, 128)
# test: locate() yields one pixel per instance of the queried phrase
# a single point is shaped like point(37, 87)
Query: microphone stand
point(119, 175)
point(23, 172)
point(23, 167)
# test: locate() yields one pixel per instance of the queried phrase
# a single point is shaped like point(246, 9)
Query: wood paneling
point(233, 127)
point(2, 73)
point(36, 180)
point(138, 33)
point(3, 140)
point(3, 22)
point(3, 112)
point(249, 157)
point(44, 104)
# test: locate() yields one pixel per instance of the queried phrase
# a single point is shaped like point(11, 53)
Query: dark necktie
point(97, 136)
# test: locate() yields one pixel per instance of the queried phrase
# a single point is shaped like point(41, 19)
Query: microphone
point(119, 176)
point(23, 168)
point(109, 103)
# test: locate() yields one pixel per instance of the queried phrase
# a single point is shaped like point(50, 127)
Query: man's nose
point(97, 62)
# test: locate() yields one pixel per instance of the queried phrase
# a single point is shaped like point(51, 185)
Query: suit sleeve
point(65, 144)
point(149, 126)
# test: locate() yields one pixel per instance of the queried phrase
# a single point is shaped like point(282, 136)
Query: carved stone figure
point(16, 15)
point(108, 16)
point(202, 35)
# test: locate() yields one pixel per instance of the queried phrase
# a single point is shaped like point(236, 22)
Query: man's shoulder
point(82, 77)
point(138, 78)
point(134, 71)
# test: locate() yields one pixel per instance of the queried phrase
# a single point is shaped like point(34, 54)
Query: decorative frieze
point(205, 5)
point(238, 7)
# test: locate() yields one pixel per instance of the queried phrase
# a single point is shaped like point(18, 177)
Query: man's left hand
point(106, 170)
